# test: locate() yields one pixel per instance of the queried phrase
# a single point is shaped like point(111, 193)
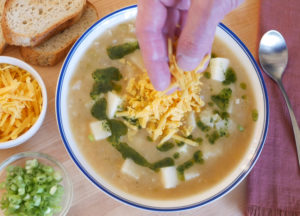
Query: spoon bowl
point(273, 54)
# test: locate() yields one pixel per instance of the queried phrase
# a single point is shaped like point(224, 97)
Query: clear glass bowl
point(20, 159)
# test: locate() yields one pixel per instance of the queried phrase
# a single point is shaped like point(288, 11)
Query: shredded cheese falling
point(20, 101)
point(160, 113)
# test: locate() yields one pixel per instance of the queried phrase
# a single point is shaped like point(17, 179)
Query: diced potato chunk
point(230, 107)
point(77, 85)
point(183, 149)
point(132, 169)
point(231, 125)
point(113, 101)
point(210, 151)
point(136, 59)
point(169, 177)
point(209, 119)
point(218, 67)
point(222, 124)
point(191, 174)
point(100, 130)
point(191, 120)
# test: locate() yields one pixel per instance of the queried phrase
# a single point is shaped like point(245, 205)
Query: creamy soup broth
point(227, 151)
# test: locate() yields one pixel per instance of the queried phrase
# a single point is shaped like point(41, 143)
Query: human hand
point(193, 21)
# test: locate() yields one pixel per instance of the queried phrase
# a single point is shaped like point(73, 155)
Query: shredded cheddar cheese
point(160, 113)
point(20, 101)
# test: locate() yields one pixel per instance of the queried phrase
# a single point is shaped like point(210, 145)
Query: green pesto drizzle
point(230, 77)
point(165, 146)
point(222, 99)
point(197, 158)
point(99, 109)
point(119, 129)
point(104, 81)
point(202, 126)
point(119, 51)
point(181, 168)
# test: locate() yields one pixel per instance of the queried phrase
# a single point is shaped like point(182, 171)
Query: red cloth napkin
point(274, 182)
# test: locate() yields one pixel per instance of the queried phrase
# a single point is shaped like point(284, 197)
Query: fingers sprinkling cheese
point(162, 114)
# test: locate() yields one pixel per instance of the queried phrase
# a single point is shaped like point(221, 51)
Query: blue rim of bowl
point(131, 203)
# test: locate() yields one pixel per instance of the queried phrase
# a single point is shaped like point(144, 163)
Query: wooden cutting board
point(88, 200)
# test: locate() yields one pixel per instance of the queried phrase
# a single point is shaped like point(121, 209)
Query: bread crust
point(14, 38)
point(44, 59)
point(2, 47)
point(2, 40)
point(36, 57)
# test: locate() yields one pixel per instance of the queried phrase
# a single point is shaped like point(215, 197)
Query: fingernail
point(187, 63)
point(161, 85)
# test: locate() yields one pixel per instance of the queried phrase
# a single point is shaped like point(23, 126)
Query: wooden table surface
point(88, 200)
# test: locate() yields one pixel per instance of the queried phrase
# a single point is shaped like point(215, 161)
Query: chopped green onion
point(213, 137)
point(210, 104)
point(254, 115)
point(222, 99)
point(198, 157)
point(199, 140)
point(243, 85)
point(230, 77)
point(176, 155)
point(32, 190)
point(91, 137)
point(53, 190)
point(241, 128)
point(149, 139)
point(203, 126)
point(57, 176)
point(207, 75)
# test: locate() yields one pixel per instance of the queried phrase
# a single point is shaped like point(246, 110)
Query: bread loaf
point(53, 50)
point(2, 40)
point(30, 22)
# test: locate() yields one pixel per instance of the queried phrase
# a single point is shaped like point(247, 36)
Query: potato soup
point(152, 144)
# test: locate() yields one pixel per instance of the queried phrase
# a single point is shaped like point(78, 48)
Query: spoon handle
point(293, 120)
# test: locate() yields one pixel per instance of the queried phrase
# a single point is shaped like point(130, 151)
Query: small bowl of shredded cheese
point(23, 102)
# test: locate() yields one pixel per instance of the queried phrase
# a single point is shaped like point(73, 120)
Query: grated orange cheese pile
point(161, 114)
point(20, 101)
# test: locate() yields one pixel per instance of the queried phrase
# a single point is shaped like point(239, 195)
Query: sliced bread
point(2, 40)
point(30, 22)
point(53, 50)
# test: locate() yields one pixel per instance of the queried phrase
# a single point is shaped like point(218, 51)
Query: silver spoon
point(273, 57)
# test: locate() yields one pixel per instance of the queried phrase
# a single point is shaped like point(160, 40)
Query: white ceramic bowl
point(35, 127)
point(227, 184)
